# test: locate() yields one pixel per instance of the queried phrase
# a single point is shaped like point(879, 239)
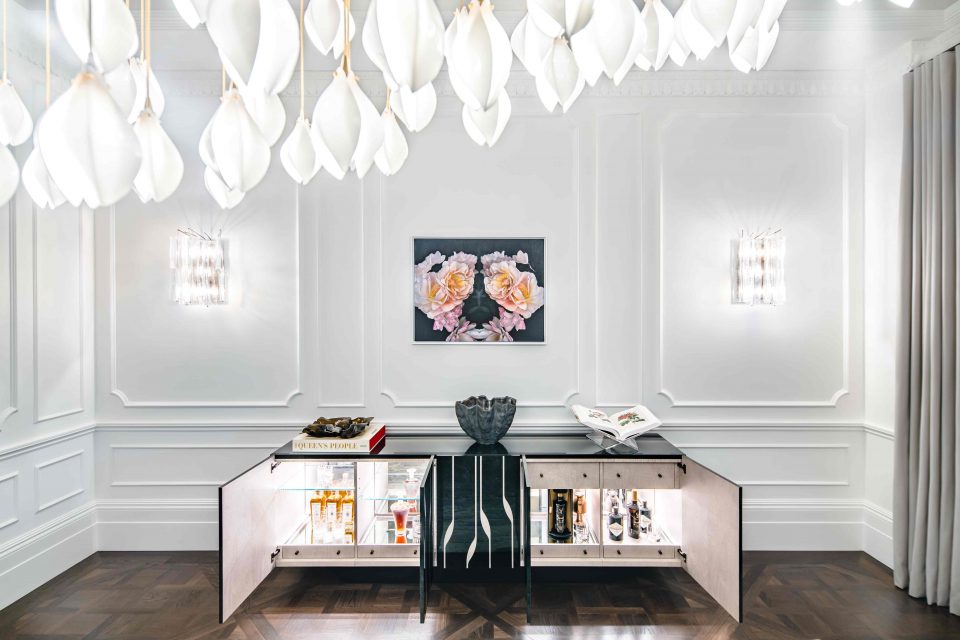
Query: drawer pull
point(541, 551)
point(584, 552)
point(541, 475)
point(618, 475)
point(297, 552)
point(660, 551)
point(371, 551)
point(584, 475)
point(659, 475)
point(415, 551)
point(338, 551)
point(618, 552)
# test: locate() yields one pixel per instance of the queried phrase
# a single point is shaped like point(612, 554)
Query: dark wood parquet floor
point(166, 596)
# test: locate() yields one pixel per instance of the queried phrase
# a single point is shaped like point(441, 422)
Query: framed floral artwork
point(478, 290)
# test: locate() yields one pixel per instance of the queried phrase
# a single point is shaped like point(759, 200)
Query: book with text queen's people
point(367, 442)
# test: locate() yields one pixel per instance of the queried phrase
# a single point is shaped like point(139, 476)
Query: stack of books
point(369, 441)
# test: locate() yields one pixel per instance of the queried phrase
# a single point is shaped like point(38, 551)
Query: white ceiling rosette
point(478, 61)
point(161, 167)
point(37, 181)
point(610, 42)
point(16, 125)
point(114, 31)
point(753, 33)
point(347, 129)
point(658, 28)
point(391, 156)
point(258, 42)
point(89, 148)
point(404, 38)
point(323, 22)
point(233, 145)
point(128, 86)
point(297, 153)
point(704, 24)
point(193, 12)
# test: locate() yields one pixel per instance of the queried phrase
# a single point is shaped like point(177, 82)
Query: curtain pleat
point(926, 465)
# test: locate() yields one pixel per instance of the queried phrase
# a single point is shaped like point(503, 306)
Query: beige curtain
point(927, 466)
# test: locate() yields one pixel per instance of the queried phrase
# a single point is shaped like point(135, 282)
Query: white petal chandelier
point(610, 42)
point(347, 130)
point(391, 156)
point(233, 150)
point(113, 31)
point(404, 38)
point(478, 60)
point(324, 24)
point(128, 86)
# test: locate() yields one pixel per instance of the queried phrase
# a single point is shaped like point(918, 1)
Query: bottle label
point(348, 511)
point(634, 522)
point(559, 518)
point(616, 529)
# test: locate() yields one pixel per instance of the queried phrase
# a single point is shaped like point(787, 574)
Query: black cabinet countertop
point(651, 446)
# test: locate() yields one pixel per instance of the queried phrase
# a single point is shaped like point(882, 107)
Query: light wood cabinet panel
point(639, 475)
point(549, 474)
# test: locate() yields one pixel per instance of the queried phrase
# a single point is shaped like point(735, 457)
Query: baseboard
point(878, 533)
point(39, 555)
point(157, 525)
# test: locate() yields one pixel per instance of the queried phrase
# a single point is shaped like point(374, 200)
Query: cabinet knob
point(541, 551)
point(618, 475)
point(415, 551)
point(297, 552)
point(660, 551)
point(541, 475)
point(659, 475)
point(618, 552)
point(584, 552)
point(584, 475)
point(338, 551)
point(371, 551)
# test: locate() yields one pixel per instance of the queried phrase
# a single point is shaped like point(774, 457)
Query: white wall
point(638, 191)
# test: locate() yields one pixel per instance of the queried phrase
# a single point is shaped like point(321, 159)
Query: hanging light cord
point(90, 27)
point(147, 27)
point(4, 40)
point(346, 37)
point(301, 61)
point(46, 53)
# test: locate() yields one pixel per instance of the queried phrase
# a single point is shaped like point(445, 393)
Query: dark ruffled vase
point(486, 420)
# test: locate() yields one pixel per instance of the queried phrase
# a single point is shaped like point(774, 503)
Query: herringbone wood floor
point(161, 596)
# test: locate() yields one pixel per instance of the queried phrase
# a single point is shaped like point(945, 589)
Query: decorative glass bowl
point(486, 420)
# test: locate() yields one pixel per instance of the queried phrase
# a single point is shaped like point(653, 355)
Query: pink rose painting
point(478, 290)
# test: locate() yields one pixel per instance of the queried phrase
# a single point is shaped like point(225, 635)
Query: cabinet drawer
point(563, 475)
point(564, 551)
point(317, 552)
point(374, 551)
point(648, 551)
point(639, 475)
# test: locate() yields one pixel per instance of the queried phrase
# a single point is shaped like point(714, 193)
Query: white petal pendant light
point(267, 111)
point(240, 151)
point(89, 148)
point(193, 12)
point(297, 154)
point(753, 33)
point(114, 31)
point(393, 153)
point(324, 24)
point(16, 125)
point(128, 86)
point(223, 195)
point(611, 41)
point(531, 45)
point(657, 24)
point(9, 175)
point(347, 130)
point(36, 178)
point(257, 41)
point(404, 38)
point(560, 81)
point(478, 59)
point(703, 24)
point(161, 167)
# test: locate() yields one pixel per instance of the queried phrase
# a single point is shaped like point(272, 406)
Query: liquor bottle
point(347, 515)
point(558, 524)
point(615, 523)
point(646, 518)
point(316, 516)
point(333, 506)
point(581, 534)
point(633, 517)
point(411, 486)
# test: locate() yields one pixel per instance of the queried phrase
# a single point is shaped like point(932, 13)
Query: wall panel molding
point(67, 492)
point(13, 508)
point(845, 363)
point(81, 271)
point(127, 401)
point(6, 412)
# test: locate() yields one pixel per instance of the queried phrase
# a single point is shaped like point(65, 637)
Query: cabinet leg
point(529, 591)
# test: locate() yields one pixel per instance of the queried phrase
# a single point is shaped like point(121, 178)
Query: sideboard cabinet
point(450, 509)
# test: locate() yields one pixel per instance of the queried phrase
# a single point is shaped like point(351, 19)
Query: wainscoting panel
point(8, 318)
point(60, 479)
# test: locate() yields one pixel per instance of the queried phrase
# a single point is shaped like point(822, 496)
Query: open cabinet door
point(712, 536)
point(255, 518)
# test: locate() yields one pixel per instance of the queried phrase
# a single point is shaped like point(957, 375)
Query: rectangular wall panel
point(8, 320)
point(59, 479)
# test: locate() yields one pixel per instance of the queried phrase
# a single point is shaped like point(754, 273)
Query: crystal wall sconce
point(759, 269)
point(199, 269)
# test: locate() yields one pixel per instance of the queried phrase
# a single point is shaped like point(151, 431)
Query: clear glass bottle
point(347, 515)
point(633, 517)
point(411, 486)
point(581, 533)
point(646, 518)
point(316, 517)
